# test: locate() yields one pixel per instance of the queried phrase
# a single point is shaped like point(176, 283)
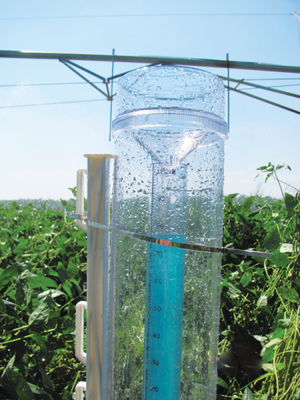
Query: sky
point(49, 118)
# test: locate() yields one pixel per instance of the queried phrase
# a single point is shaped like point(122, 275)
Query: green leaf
point(36, 390)
point(283, 323)
point(260, 338)
point(8, 274)
point(28, 293)
point(280, 366)
point(247, 395)
point(17, 387)
point(279, 332)
point(63, 202)
point(73, 190)
point(273, 342)
point(63, 275)
point(67, 289)
point(41, 343)
point(297, 282)
point(224, 283)
point(53, 293)
point(266, 310)
point(2, 306)
point(272, 240)
point(262, 168)
point(268, 367)
point(290, 203)
point(19, 249)
point(234, 292)
point(79, 290)
point(268, 356)
point(279, 259)
point(26, 274)
point(68, 325)
point(231, 196)
point(268, 351)
point(41, 314)
point(9, 303)
point(283, 166)
point(9, 366)
point(222, 383)
point(46, 381)
point(262, 377)
point(72, 270)
point(53, 273)
point(248, 203)
point(246, 279)
point(20, 294)
point(262, 301)
point(41, 281)
point(289, 294)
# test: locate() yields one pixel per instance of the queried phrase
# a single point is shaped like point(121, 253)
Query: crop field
point(43, 264)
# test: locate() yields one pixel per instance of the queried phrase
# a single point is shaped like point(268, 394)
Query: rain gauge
point(152, 332)
point(154, 229)
point(169, 134)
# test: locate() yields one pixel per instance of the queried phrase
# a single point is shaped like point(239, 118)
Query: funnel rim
point(199, 116)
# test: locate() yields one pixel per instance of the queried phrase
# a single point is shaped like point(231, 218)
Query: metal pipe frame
point(199, 62)
point(263, 100)
point(254, 85)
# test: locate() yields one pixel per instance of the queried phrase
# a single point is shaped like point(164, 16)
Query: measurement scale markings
point(152, 332)
point(165, 277)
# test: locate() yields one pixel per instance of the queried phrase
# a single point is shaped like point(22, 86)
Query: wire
point(47, 84)
point(297, 22)
point(261, 99)
point(85, 83)
point(94, 100)
point(152, 15)
point(271, 79)
point(271, 87)
point(51, 104)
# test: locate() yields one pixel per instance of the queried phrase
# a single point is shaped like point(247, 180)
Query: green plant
point(43, 275)
point(259, 343)
point(271, 171)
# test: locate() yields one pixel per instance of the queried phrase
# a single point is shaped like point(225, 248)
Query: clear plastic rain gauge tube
point(169, 134)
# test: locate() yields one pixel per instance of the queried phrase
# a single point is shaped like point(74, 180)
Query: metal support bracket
point(105, 81)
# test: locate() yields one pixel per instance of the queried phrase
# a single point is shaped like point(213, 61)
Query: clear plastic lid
point(170, 86)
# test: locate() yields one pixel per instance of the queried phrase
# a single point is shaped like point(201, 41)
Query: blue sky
point(42, 146)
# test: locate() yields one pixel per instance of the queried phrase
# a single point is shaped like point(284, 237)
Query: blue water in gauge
point(163, 324)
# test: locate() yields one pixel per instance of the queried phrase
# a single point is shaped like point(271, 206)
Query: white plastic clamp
point(79, 353)
point(81, 174)
point(80, 388)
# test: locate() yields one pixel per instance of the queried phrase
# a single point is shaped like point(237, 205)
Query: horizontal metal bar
point(104, 81)
point(84, 78)
point(85, 70)
point(200, 62)
point(186, 245)
point(170, 243)
point(262, 99)
point(111, 78)
point(270, 89)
